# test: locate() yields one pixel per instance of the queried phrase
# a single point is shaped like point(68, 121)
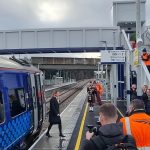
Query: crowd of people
point(95, 92)
point(145, 97)
point(130, 132)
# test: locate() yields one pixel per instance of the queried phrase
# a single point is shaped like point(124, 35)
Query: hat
point(144, 50)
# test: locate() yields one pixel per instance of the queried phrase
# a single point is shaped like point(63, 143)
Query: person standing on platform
point(146, 58)
point(54, 115)
point(144, 96)
point(138, 124)
point(91, 96)
point(133, 92)
point(99, 92)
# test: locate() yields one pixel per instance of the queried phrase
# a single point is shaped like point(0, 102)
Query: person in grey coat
point(54, 115)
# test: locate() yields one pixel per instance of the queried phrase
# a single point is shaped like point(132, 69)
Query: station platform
point(69, 120)
point(75, 119)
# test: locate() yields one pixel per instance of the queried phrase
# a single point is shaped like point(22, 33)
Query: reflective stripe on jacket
point(138, 125)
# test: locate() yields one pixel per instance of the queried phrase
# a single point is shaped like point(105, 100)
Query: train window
point(17, 101)
point(2, 115)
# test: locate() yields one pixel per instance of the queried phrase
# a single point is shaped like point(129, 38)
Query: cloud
point(16, 14)
point(53, 13)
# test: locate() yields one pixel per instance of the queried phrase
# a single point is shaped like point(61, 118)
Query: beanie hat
point(144, 50)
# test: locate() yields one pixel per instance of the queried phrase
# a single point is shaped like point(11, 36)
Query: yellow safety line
point(81, 129)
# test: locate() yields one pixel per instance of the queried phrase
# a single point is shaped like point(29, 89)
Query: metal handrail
point(128, 63)
point(127, 41)
point(145, 70)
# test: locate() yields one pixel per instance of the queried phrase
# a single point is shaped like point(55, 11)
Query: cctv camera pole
point(138, 38)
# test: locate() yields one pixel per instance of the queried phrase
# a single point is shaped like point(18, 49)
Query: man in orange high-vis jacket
point(146, 58)
point(100, 91)
point(138, 124)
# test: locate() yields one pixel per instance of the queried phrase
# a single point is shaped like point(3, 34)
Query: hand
point(89, 135)
point(58, 114)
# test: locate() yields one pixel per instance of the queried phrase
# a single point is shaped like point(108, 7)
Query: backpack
point(123, 145)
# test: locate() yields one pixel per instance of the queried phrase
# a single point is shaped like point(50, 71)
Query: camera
point(94, 129)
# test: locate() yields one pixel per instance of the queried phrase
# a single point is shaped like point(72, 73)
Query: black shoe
point(48, 135)
point(61, 135)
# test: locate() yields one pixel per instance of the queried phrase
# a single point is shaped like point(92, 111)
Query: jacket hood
point(112, 133)
point(112, 130)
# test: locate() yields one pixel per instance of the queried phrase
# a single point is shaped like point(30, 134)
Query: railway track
point(66, 97)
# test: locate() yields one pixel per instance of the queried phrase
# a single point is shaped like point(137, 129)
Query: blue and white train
point(21, 102)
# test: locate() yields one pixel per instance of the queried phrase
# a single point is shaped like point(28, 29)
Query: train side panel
point(17, 114)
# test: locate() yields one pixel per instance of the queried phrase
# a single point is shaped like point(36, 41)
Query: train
point(21, 102)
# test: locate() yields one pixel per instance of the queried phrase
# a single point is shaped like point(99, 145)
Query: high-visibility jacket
point(146, 58)
point(99, 88)
point(138, 125)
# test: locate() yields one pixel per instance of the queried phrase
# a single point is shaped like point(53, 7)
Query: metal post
point(115, 72)
point(138, 21)
point(138, 41)
point(128, 77)
point(98, 71)
point(102, 68)
point(106, 82)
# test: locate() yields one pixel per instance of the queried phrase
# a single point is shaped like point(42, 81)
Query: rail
point(145, 75)
point(66, 94)
point(129, 50)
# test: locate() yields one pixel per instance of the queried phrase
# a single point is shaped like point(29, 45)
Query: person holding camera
point(138, 124)
point(110, 134)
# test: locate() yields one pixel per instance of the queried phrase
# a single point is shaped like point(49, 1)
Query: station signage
point(112, 56)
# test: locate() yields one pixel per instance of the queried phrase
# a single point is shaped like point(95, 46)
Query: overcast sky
point(31, 14)
point(22, 14)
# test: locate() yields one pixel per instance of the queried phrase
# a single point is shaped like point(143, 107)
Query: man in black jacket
point(54, 114)
point(110, 132)
point(133, 92)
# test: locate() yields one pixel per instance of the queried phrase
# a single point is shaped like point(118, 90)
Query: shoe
point(48, 135)
point(61, 135)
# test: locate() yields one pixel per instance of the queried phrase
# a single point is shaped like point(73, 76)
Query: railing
point(129, 50)
point(146, 36)
point(145, 75)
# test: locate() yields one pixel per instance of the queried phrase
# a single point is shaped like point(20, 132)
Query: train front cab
point(21, 113)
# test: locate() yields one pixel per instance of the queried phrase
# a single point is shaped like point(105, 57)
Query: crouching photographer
point(110, 134)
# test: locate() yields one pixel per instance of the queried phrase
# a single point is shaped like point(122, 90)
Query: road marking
point(77, 146)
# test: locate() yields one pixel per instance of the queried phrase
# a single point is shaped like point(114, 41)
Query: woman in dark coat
point(54, 114)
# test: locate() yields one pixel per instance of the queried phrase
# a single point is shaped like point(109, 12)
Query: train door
point(35, 107)
point(39, 98)
point(43, 98)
